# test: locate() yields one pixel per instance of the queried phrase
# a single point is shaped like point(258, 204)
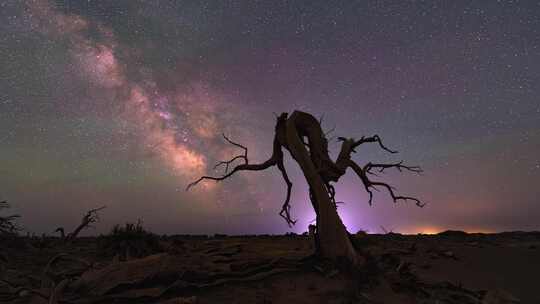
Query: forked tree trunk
point(332, 238)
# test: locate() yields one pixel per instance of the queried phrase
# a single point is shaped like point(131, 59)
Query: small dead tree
point(88, 219)
point(7, 223)
point(301, 134)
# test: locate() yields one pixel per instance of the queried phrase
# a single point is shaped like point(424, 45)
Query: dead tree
point(301, 135)
point(7, 223)
point(88, 219)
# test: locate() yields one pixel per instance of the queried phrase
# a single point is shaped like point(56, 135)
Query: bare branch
point(368, 184)
point(331, 192)
point(245, 156)
point(243, 167)
point(228, 162)
point(285, 209)
point(397, 197)
point(89, 218)
point(399, 166)
point(363, 178)
point(371, 139)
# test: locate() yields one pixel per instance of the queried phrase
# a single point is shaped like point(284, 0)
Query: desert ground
point(134, 266)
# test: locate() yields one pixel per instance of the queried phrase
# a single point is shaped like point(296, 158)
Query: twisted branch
point(275, 160)
point(244, 167)
point(285, 209)
point(368, 185)
point(371, 139)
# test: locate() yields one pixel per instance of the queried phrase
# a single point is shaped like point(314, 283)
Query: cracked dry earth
point(447, 268)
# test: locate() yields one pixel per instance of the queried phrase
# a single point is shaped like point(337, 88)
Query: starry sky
point(123, 103)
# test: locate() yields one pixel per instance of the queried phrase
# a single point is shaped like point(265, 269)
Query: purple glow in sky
point(123, 103)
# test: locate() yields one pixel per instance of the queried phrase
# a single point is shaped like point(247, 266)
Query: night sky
point(122, 103)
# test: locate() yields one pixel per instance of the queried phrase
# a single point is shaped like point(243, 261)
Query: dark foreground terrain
point(139, 267)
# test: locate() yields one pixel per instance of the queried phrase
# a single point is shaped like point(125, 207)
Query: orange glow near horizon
point(423, 230)
point(429, 230)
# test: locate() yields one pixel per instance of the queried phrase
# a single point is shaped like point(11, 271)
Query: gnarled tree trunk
point(302, 136)
point(331, 238)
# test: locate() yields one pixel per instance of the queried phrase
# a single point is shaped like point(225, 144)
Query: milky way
point(124, 103)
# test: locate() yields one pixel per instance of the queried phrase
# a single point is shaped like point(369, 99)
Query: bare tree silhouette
point(301, 134)
point(91, 216)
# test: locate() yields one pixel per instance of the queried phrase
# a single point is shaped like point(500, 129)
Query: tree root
point(48, 274)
